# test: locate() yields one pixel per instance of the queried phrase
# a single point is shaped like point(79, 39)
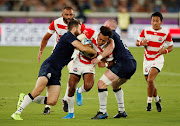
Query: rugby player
point(118, 74)
point(153, 39)
point(58, 26)
point(50, 71)
point(82, 66)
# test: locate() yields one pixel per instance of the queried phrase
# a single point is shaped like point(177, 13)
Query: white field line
point(170, 73)
point(15, 61)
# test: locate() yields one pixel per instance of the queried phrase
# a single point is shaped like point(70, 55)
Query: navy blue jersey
point(120, 52)
point(63, 51)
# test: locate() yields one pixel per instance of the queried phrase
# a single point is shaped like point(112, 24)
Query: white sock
point(71, 101)
point(47, 106)
point(149, 100)
point(66, 93)
point(81, 89)
point(27, 100)
point(103, 100)
point(39, 99)
point(119, 94)
point(156, 99)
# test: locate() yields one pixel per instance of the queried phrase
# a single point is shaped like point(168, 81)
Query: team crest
point(146, 70)
point(75, 69)
point(49, 75)
point(160, 39)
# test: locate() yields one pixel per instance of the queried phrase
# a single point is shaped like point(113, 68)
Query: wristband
point(140, 43)
point(166, 51)
point(99, 57)
point(106, 65)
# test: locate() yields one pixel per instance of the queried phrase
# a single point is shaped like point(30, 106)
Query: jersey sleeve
point(169, 40)
point(51, 29)
point(141, 36)
point(82, 28)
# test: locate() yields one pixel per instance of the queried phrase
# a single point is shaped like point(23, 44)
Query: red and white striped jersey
point(156, 40)
point(60, 28)
point(98, 48)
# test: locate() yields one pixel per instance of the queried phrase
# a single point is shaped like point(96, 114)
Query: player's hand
point(95, 61)
point(162, 51)
point(101, 64)
point(145, 42)
point(39, 56)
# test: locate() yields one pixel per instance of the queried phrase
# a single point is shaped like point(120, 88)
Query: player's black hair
point(68, 8)
point(157, 14)
point(106, 31)
point(73, 23)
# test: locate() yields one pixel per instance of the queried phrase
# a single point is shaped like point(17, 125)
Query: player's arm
point(167, 50)
point(141, 41)
point(43, 45)
point(107, 51)
point(84, 48)
point(107, 64)
point(144, 42)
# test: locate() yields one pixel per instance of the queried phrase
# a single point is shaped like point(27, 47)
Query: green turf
point(19, 70)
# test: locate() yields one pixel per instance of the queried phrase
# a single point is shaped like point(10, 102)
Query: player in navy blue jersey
point(122, 70)
point(50, 71)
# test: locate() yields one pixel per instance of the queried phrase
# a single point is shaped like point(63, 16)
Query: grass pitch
point(19, 70)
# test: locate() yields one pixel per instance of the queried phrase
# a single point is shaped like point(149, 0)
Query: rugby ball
point(89, 43)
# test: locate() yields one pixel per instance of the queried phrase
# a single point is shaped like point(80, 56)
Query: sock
point(156, 99)
point(40, 100)
point(47, 106)
point(66, 93)
point(81, 89)
point(119, 94)
point(26, 101)
point(71, 101)
point(103, 94)
point(149, 100)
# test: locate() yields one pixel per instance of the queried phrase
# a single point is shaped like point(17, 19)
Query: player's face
point(102, 39)
point(67, 15)
point(156, 23)
point(78, 30)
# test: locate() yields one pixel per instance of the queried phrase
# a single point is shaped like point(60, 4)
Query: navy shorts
point(125, 68)
point(53, 74)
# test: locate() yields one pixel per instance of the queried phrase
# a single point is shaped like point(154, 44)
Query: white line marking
point(170, 73)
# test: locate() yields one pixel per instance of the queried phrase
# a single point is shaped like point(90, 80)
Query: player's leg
point(107, 78)
point(88, 84)
point(73, 81)
point(151, 87)
point(47, 107)
point(119, 94)
point(40, 85)
point(65, 98)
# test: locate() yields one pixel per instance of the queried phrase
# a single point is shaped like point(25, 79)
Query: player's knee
point(150, 80)
point(87, 88)
point(52, 102)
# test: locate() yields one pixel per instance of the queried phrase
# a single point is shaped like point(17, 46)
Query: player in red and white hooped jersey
point(82, 66)
point(58, 26)
point(153, 39)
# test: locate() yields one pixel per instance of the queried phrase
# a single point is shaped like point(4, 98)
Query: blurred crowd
point(92, 5)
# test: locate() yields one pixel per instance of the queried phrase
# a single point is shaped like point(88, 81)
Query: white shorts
point(79, 68)
point(157, 63)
